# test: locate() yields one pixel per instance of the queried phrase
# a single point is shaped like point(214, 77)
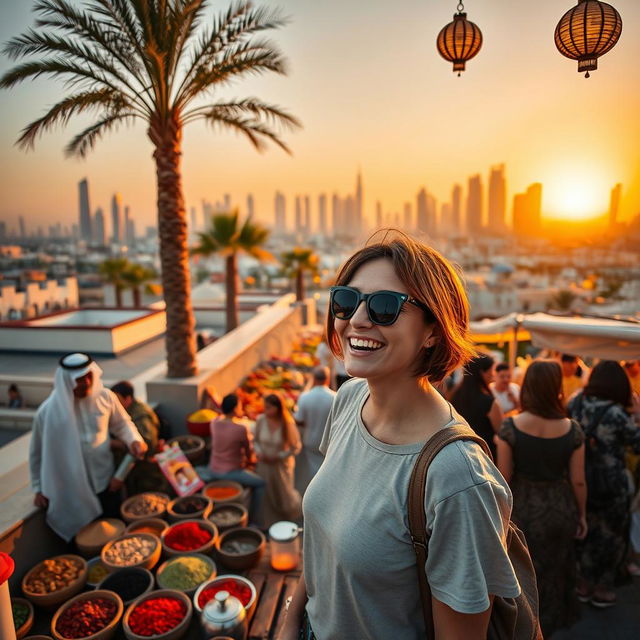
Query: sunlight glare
point(576, 196)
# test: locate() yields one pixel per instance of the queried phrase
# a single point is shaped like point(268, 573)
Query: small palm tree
point(228, 238)
point(563, 300)
point(296, 263)
point(155, 61)
point(136, 277)
point(113, 272)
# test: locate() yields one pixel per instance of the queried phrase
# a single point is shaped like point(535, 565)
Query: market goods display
point(22, 611)
point(189, 535)
point(186, 573)
point(158, 613)
point(227, 516)
point(86, 617)
point(129, 584)
point(97, 571)
point(144, 505)
point(237, 586)
point(92, 537)
point(154, 526)
point(241, 548)
point(221, 491)
point(193, 447)
point(189, 507)
point(54, 580)
point(132, 550)
point(198, 423)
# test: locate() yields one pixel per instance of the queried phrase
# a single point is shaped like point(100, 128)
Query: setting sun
point(576, 195)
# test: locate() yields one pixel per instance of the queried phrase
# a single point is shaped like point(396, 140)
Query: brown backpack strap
point(416, 501)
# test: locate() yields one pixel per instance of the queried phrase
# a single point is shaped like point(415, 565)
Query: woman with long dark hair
point(541, 455)
point(277, 442)
point(474, 401)
point(601, 409)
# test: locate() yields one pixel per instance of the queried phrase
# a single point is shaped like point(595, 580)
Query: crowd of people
point(562, 461)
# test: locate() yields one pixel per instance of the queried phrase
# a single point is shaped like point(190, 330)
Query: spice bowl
point(129, 583)
point(238, 586)
point(69, 585)
point(223, 491)
point(241, 548)
point(178, 572)
point(154, 526)
point(93, 536)
point(189, 508)
point(182, 533)
point(66, 615)
point(229, 515)
point(38, 637)
point(192, 446)
point(26, 609)
point(132, 550)
point(174, 633)
point(97, 572)
point(150, 504)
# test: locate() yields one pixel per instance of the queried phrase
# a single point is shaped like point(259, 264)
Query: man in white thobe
point(70, 456)
point(313, 410)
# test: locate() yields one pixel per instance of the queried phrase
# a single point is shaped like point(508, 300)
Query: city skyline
point(362, 106)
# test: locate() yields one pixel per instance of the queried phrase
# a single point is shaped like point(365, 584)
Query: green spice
point(185, 573)
point(20, 614)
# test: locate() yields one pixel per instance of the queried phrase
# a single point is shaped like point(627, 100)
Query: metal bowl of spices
point(241, 548)
point(189, 536)
point(93, 615)
point(154, 526)
point(55, 580)
point(228, 516)
point(186, 573)
point(163, 615)
point(129, 584)
point(132, 550)
point(189, 508)
point(150, 504)
point(238, 586)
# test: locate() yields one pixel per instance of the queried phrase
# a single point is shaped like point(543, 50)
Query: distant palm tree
point(228, 238)
point(296, 263)
point(136, 277)
point(154, 61)
point(113, 272)
point(563, 300)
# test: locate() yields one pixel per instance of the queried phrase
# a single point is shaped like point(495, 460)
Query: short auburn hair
point(430, 278)
point(541, 392)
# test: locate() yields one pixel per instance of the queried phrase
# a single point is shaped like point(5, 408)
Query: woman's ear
point(430, 342)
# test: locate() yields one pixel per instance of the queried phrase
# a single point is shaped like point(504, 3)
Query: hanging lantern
point(460, 40)
point(588, 31)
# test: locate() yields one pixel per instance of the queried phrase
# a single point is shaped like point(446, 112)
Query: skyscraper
point(85, 211)
point(527, 215)
point(22, 227)
point(422, 222)
point(474, 205)
point(379, 220)
point(193, 215)
point(445, 218)
point(116, 219)
point(307, 214)
point(322, 214)
point(226, 203)
point(349, 214)
point(432, 215)
point(408, 217)
point(456, 209)
point(534, 194)
point(298, 213)
point(99, 235)
point(614, 204)
point(497, 200)
point(250, 205)
point(336, 214)
point(358, 206)
point(280, 210)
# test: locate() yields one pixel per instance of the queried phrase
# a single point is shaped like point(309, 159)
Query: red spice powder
point(157, 615)
point(222, 493)
point(86, 617)
point(187, 536)
point(237, 589)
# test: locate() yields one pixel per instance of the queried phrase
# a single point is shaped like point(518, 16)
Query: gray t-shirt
point(360, 566)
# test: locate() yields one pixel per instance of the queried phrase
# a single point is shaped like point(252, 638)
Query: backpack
point(511, 618)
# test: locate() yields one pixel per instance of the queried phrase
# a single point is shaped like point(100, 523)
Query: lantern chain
point(460, 7)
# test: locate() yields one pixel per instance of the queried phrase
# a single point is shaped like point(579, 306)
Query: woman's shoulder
point(350, 391)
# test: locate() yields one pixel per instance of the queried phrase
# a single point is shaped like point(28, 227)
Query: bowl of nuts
point(55, 580)
point(132, 550)
point(150, 504)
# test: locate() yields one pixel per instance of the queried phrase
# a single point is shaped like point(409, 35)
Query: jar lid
point(284, 531)
point(222, 608)
point(6, 567)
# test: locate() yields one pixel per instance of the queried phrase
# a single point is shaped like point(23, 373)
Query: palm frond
point(84, 142)
point(251, 238)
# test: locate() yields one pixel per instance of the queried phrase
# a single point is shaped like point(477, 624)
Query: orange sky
point(372, 91)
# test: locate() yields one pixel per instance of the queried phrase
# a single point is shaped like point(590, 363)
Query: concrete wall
point(38, 298)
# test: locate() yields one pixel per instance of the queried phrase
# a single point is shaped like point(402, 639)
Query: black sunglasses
point(383, 307)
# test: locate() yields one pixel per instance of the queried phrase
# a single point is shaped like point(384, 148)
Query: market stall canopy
point(498, 329)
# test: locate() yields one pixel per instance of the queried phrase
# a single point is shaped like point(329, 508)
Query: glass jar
point(285, 545)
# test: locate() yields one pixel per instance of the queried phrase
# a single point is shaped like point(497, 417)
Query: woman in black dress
point(541, 455)
point(474, 401)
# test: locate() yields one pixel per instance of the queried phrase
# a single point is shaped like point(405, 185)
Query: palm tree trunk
point(174, 253)
point(118, 291)
point(299, 284)
point(137, 303)
point(233, 318)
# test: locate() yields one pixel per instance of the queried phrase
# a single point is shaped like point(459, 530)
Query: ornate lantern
point(588, 31)
point(460, 40)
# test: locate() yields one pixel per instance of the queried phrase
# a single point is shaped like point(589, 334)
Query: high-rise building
point(3, 231)
point(23, 228)
point(349, 214)
point(322, 214)
point(280, 207)
point(422, 221)
point(250, 205)
point(307, 214)
point(456, 209)
point(358, 205)
point(99, 235)
point(534, 194)
point(226, 203)
point(379, 220)
point(131, 232)
point(336, 215)
point(432, 215)
point(85, 211)
point(207, 214)
point(527, 214)
point(298, 213)
point(193, 215)
point(117, 231)
point(474, 205)
point(408, 217)
point(614, 204)
point(497, 200)
point(445, 218)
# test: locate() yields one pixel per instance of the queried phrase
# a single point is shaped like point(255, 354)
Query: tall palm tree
point(296, 262)
point(228, 237)
point(136, 277)
point(113, 272)
point(155, 61)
